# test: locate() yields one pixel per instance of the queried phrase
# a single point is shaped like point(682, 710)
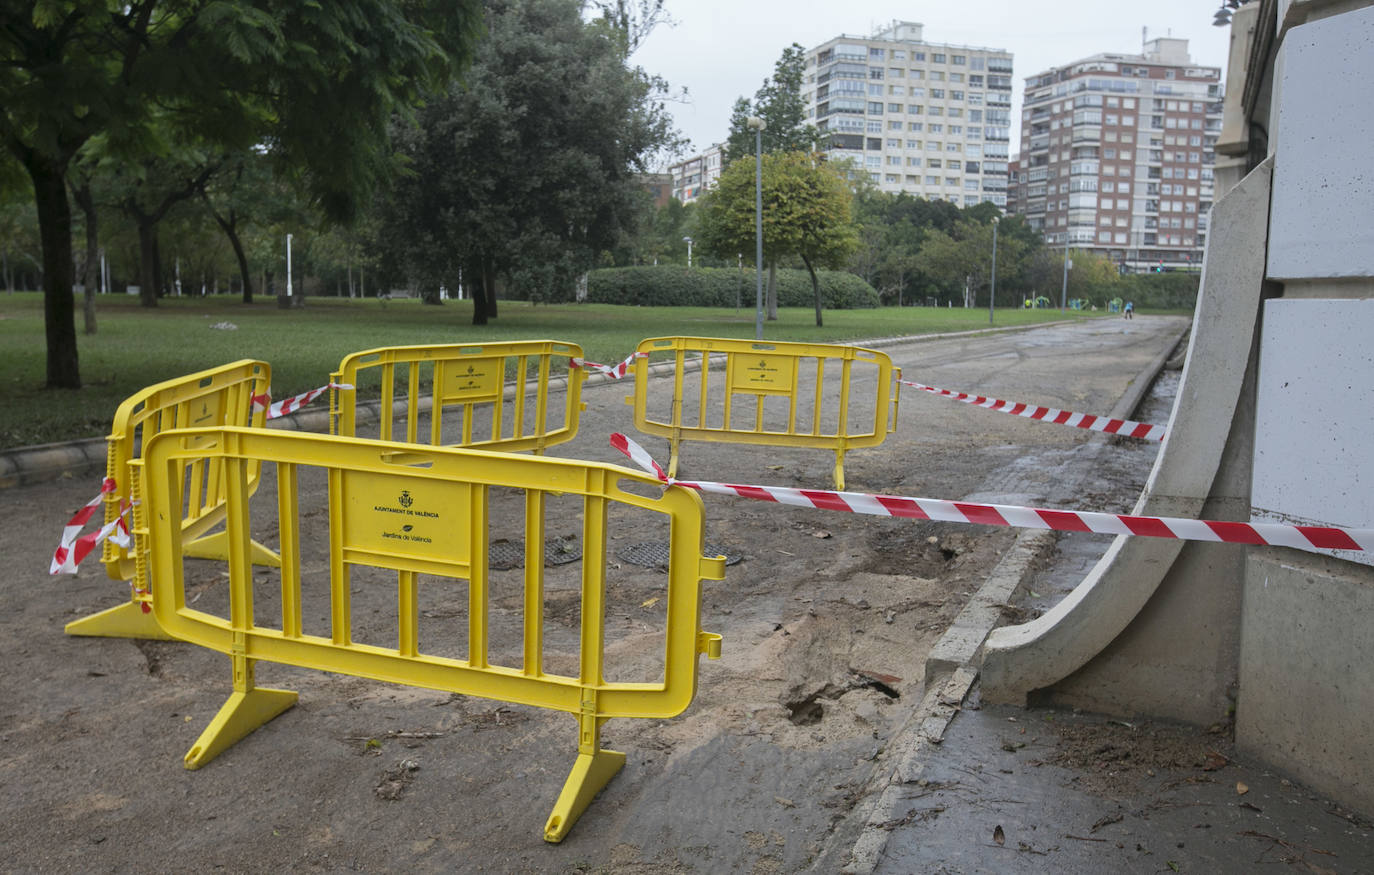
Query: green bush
point(1175, 290)
point(676, 286)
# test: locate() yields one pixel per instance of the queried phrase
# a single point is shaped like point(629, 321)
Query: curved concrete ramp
point(1088, 650)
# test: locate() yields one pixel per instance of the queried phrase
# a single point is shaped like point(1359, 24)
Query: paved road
point(763, 772)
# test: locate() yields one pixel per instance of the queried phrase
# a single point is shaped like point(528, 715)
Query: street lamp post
point(689, 252)
point(758, 125)
point(288, 265)
point(992, 292)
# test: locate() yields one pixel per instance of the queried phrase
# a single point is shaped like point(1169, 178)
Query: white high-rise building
point(926, 118)
point(1117, 152)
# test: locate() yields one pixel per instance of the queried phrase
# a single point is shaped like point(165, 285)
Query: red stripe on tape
point(981, 513)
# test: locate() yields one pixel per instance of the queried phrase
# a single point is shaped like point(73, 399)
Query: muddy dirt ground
point(826, 618)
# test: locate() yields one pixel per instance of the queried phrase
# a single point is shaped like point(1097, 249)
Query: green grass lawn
point(138, 347)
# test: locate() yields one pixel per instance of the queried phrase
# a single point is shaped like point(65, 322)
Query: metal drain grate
point(654, 554)
point(504, 554)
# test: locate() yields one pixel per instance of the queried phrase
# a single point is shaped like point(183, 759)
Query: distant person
point(1130, 309)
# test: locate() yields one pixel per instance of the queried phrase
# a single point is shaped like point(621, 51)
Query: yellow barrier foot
point(217, 547)
point(243, 713)
point(590, 773)
point(122, 621)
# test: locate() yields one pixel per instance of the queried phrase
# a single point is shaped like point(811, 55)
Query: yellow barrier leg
point(593, 770)
point(247, 709)
point(217, 547)
point(839, 470)
point(122, 621)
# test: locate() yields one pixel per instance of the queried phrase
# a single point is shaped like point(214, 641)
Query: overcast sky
point(723, 49)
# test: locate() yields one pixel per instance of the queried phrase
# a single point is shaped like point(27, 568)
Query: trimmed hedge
point(676, 286)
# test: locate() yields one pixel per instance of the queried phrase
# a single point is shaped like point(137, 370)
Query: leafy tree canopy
point(779, 103)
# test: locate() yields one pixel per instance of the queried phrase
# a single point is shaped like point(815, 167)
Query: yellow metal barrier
point(220, 396)
point(799, 395)
point(418, 510)
point(470, 381)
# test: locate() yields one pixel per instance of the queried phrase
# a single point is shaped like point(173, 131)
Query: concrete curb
point(952, 666)
point(42, 463)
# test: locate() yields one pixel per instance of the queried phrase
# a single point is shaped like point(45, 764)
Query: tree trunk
point(230, 228)
point(772, 293)
point(815, 289)
point(159, 283)
point(479, 295)
point(491, 294)
point(91, 274)
point(55, 231)
point(147, 259)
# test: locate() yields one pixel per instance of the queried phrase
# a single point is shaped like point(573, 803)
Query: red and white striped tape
point(74, 546)
point(291, 405)
point(1049, 414)
point(614, 371)
point(1274, 534)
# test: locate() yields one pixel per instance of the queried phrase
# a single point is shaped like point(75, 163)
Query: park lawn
point(136, 347)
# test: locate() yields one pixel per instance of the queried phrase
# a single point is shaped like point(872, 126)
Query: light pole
point(689, 252)
point(288, 265)
point(992, 292)
point(1064, 292)
point(758, 125)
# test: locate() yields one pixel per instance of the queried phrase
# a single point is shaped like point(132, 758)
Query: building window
point(894, 126)
point(914, 126)
point(875, 108)
point(932, 180)
point(875, 53)
point(958, 60)
point(937, 58)
point(894, 107)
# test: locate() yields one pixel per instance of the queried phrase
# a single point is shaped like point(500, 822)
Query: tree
point(311, 83)
point(779, 103)
point(806, 213)
point(528, 170)
point(965, 255)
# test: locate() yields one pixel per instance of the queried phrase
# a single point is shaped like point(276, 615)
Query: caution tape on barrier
point(617, 371)
point(1217, 531)
point(291, 405)
point(1124, 427)
point(73, 546)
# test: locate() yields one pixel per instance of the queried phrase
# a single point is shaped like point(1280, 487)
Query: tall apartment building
point(1117, 154)
point(926, 118)
point(694, 176)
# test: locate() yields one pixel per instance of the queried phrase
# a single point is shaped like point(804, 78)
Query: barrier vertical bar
point(594, 767)
point(341, 593)
point(387, 403)
point(248, 707)
point(533, 664)
point(413, 402)
point(541, 404)
point(436, 407)
point(819, 398)
point(408, 613)
point(477, 582)
point(290, 528)
point(518, 425)
point(729, 390)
